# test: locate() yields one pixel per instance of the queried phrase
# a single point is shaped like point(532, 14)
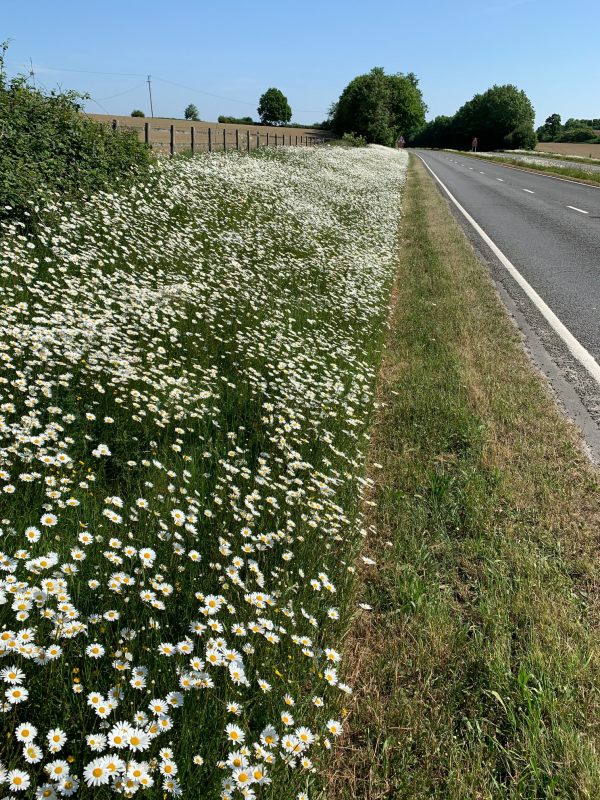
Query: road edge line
point(575, 347)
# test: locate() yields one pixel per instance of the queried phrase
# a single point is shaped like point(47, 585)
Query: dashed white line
point(577, 349)
point(581, 211)
point(500, 179)
point(528, 191)
point(481, 173)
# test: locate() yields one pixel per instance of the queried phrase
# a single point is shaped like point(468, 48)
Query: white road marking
point(500, 179)
point(481, 173)
point(581, 211)
point(578, 350)
point(528, 190)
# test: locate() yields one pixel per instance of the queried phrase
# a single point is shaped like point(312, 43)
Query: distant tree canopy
point(500, 117)
point(191, 112)
point(574, 130)
point(273, 108)
point(137, 113)
point(379, 107)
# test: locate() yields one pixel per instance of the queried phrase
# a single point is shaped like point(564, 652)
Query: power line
point(83, 71)
point(127, 91)
point(162, 80)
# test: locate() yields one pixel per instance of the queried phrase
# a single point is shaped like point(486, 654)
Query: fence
point(171, 139)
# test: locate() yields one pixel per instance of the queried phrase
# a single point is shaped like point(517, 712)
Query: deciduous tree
point(380, 107)
point(191, 112)
point(273, 108)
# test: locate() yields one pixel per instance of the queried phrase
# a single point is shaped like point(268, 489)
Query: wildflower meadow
point(186, 385)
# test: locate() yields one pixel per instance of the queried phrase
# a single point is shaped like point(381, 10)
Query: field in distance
point(160, 131)
point(570, 149)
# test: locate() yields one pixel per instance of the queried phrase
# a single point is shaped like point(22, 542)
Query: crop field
point(570, 149)
point(221, 132)
point(185, 398)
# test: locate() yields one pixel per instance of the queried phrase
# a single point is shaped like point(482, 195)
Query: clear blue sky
point(310, 50)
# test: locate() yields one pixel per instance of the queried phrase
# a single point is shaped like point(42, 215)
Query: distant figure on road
point(400, 141)
point(474, 144)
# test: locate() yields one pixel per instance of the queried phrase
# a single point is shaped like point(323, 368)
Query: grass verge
point(550, 169)
point(477, 670)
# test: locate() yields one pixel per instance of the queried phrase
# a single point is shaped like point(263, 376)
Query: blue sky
point(310, 50)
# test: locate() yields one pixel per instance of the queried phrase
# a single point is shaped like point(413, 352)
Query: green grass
point(477, 668)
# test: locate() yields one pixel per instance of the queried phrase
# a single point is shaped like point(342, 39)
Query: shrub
point(523, 137)
point(583, 134)
point(353, 140)
point(48, 145)
point(237, 120)
point(137, 113)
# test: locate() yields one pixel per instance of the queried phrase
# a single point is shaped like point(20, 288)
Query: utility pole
point(150, 93)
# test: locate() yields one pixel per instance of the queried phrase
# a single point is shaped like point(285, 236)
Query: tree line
point(574, 130)
point(500, 118)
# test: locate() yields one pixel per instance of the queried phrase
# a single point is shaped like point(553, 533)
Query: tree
point(191, 112)
point(137, 113)
point(492, 116)
point(550, 129)
point(436, 133)
point(379, 107)
point(273, 108)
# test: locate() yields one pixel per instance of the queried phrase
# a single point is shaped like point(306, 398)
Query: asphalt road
point(550, 230)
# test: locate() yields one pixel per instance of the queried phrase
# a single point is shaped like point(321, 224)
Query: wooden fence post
point(209, 140)
point(224, 139)
point(257, 140)
point(267, 138)
point(237, 139)
point(146, 133)
point(172, 141)
point(248, 140)
point(192, 139)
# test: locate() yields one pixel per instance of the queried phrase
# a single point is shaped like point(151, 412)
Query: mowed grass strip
point(476, 672)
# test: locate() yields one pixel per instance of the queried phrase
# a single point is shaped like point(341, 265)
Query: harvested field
point(570, 149)
point(260, 135)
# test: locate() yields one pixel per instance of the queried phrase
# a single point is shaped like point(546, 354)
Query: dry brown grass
point(160, 132)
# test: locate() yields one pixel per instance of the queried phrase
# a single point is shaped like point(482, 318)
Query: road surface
point(549, 230)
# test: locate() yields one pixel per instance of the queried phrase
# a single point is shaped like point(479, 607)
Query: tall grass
point(187, 377)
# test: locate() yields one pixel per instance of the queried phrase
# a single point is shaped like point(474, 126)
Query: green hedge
point(48, 145)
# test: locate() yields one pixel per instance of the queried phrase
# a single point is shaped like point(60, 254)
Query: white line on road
point(577, 349)
point(500, 179)
point(581, 211)
point(481, 173)
point(528, 191)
